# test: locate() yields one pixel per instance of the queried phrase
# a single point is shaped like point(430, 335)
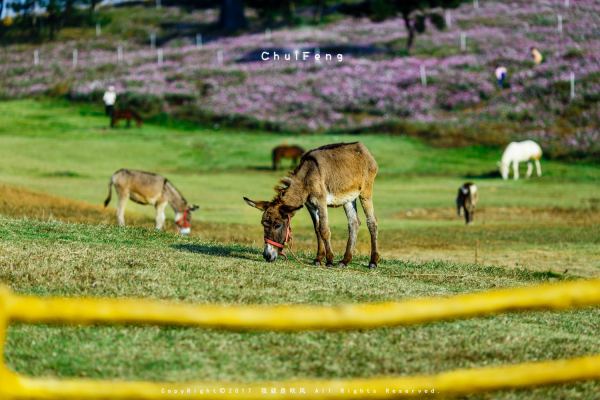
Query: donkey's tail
point(110, 185)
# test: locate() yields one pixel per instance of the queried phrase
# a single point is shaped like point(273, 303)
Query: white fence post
point(98, 30)
point(158, 4)
point(559, 18)
point(75, 56)
point(423, 72)
point(36, 57)
point(567, 3)
point(463, 41)
point(120, 54)
point(448, 15)
point(268, 33)
point(475, 3)
point(159, 56)
point(152, 40)
point(220, 57)
point(198, 40)
point(572, 81)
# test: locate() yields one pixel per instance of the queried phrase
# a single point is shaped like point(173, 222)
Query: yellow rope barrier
point(30, 309)
point(302, 317)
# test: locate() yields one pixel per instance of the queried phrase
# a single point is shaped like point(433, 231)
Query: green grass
point(526, 232)
point(53, 258)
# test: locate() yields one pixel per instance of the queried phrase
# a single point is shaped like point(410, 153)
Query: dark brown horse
point(125, 114)
point(284, 151)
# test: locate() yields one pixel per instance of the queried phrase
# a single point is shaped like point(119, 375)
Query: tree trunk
point(93, 6)
point(232, 16)
point(318, 14)
point(410, 28)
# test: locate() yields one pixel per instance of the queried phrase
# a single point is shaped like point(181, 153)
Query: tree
point(232, 16)
point(416, 14)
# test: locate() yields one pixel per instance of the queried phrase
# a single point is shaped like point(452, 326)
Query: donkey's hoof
point(329, 264)
point(342, 264)
point(372, 265)
point(317, 263)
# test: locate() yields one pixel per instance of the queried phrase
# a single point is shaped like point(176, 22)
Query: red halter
point(183, 221)
point(288, 236)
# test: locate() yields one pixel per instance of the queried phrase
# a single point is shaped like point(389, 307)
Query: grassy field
point(55, 161)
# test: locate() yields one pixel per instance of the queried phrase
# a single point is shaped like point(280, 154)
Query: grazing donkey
point(148, 188)
point(329, 176)
point(517, 152)
point(467, 200)
point(285, 151)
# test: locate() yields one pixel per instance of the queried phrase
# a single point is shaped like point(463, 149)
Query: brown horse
point(329, 176)
point(285, 151)
point(125, 114)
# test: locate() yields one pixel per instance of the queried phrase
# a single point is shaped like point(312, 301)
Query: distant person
point(109, 98)
point(538, 58)
point(500, 73)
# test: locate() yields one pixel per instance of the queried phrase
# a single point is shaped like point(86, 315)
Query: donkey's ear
point(289, 210)
point(261, 205)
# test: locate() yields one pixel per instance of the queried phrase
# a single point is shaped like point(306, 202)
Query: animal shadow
point(214, 249)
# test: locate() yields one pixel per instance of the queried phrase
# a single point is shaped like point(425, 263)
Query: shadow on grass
point(214, 249)
point(493, 174)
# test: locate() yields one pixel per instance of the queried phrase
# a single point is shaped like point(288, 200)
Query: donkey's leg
point(367, 205)
point(314, 215)
point(353, 224)
point(515, 170)
point(160, 215)
point(529, 169)
point(123, 197)
point(325, 231)
point(538, 167)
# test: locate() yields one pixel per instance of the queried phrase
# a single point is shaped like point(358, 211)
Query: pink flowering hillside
point(444, 90)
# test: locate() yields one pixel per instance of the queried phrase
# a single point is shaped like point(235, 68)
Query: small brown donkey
point(285, 151)
point(329, 176)
point(148, 188)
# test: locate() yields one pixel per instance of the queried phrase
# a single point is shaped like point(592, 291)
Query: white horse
point(517, 152)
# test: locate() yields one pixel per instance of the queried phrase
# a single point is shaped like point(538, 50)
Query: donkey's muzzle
point(270, 253)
